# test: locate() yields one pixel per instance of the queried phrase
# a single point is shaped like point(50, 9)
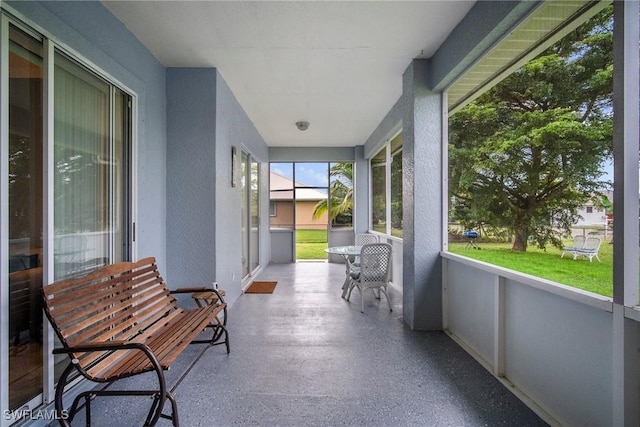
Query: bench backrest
point(592, 244)
point(120, 302)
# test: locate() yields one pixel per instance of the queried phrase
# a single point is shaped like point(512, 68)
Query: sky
point(308, 174)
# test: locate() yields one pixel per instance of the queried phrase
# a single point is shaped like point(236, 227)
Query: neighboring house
point(592, 214)
point(281, 203)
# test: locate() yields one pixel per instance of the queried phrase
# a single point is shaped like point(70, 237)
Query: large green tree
point(530, 151)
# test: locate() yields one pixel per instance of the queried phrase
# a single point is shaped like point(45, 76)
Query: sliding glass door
point(249, 181)
point(254, 220)
point(68, 207)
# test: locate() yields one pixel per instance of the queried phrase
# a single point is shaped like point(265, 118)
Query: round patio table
point(346, 252)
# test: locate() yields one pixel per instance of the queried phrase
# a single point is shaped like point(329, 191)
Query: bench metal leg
point(221, 330)
point(174, 410)
point(152, 411)
point(218, 332)
point(64, 421)
point(155, 412)
point(87, 402)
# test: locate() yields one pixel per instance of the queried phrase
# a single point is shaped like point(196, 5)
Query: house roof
point(281, 188)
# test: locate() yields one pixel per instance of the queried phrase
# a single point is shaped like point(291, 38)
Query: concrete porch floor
point(303, 356)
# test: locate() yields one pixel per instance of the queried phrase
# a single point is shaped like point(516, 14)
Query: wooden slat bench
point(122, 320)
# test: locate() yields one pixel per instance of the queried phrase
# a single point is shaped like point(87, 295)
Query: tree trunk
point(521, 230)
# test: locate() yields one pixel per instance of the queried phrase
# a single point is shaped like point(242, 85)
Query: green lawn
point(310, 244)
point(593, 276)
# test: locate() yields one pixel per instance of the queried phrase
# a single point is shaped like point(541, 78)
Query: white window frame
point(388, 160)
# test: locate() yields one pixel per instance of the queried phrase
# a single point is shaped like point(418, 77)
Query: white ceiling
point(337, 65)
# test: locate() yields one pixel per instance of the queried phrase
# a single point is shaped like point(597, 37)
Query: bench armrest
point(200, 289)
point(110, 346)
point(190, 290)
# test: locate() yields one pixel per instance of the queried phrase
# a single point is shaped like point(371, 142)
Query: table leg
point(345, 285)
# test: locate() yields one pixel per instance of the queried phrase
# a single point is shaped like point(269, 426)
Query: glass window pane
point(341, 191)
point(396, 186)
point(121, 153)
point(83, 167)
point(379, 192)
point(244, 212)
point(254, 242)
point(25, 217)
point(281, 195)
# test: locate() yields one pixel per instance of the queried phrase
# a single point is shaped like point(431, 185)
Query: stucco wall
point(234, 128)
point(284, 215)
point(304, 217)
point(191, 160)
point(203, 220)
point(91, 31)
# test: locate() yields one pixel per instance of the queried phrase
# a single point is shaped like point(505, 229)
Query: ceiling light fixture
point(302, 125)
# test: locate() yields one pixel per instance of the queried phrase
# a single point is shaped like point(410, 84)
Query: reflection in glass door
point(249, 185)
point(89, 170)
point(254, 205)
point(244, 209)
point(25, 217)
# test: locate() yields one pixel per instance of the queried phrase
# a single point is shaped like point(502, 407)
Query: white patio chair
point(375, 271)
point(590, 249)
point(578, 243)
point(365, 239)
point(361, 240)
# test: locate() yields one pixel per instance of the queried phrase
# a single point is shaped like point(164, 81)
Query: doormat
point(261, 288)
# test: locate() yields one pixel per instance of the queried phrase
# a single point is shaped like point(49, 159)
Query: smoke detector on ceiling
point(302, 125)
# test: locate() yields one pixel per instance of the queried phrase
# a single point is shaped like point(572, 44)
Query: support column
point(360, 182)
point(626, 330)
point(422, 131)
point(192, 170)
